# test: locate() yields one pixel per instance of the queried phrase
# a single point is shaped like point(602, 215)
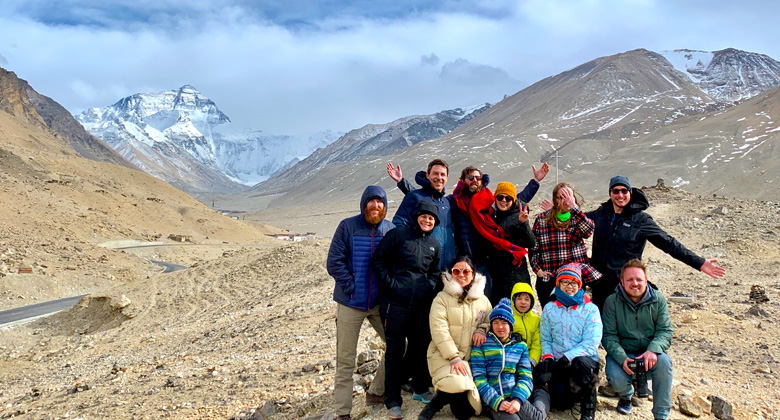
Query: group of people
point(446, 285)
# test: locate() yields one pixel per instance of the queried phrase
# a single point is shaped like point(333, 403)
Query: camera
point(640, 378)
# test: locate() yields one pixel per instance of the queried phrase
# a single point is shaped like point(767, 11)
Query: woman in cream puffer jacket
point(459, 316)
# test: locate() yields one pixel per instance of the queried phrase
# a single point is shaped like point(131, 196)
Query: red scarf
point(480, 210)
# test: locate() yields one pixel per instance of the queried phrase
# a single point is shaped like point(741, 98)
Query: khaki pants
point(348, 324)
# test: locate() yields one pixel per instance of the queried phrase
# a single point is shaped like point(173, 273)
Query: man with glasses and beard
point(623, 229)
point(356, 292)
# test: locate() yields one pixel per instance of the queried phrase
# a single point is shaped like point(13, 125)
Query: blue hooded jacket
point(349, 257)
point(443, 232)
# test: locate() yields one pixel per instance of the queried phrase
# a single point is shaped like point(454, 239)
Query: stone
point(120, 303)
point(757, 310)
point(763, 369)
point(758, 294)
point(688, 406)
point(368, 356)
point(368, 367)
point(688, 317)
point(720, 408)
point(265, 412)
point(721, 210)
point(704, 404)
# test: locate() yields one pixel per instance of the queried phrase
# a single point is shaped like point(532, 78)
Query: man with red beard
point(356, 291)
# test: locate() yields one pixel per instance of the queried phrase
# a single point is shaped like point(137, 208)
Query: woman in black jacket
point(512, 216)
point(406, 262)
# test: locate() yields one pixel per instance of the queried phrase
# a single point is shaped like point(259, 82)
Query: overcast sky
point(293, 67)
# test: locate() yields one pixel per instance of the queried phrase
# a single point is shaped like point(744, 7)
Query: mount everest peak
point(181, 136)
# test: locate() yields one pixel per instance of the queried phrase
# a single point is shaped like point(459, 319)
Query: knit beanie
point(506, 188)
point(503, 311)
point(619, 180)
point(571, 271)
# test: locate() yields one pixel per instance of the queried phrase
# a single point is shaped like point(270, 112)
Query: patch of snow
point(679, 182)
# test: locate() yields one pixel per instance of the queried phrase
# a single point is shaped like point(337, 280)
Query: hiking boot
point(588, 404)
point(407, 387)
point(425, 397)
point(395, 413)
point(624, 406)
point(373, 399)
point(427, 413)
point(607, 391)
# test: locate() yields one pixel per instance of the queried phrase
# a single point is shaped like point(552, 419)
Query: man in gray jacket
point(637, 334)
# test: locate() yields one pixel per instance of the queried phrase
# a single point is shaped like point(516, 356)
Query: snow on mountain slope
point(727, 75)
point(182, 137)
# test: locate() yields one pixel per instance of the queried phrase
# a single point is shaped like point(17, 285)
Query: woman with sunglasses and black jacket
point(512, 216)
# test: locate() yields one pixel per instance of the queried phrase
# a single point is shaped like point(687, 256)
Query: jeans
point(660, 374)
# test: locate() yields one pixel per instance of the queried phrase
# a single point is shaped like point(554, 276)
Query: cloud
point(461, 71)
point(429, 60)
point(287, 67)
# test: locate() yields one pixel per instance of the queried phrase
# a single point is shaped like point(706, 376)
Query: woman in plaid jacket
point(560, 239)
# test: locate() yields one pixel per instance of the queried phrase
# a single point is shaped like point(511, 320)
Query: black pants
point(543, 290)
point(402, 325)
point(459, 404)
point(573, 383)
point(601, 289)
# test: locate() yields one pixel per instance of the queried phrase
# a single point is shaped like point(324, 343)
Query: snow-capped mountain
point(377, 140)
point(182, 137)
point(727, 75)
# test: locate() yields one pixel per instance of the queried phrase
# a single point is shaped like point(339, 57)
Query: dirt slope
point(246, 328)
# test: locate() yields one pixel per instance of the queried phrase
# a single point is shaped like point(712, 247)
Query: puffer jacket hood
point(426, 207)
point(521, 288)
point(425, 184)
point(371, 192)
point(452, 287)
point(638, 202)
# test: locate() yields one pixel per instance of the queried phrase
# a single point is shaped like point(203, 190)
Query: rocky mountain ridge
point(589, 123)
point(374, 140)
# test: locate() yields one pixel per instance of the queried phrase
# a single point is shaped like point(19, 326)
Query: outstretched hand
point(546, 205)
point(540, 173)
point(715, 271)
point(395, 172)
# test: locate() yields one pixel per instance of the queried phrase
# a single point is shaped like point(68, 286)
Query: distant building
point(294, 237)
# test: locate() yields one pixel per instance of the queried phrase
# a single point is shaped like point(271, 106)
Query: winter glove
point(543, 373)
point(560, 365)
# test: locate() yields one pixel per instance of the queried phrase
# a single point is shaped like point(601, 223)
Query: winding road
point(29, 313)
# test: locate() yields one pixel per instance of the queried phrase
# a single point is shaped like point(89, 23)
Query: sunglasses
point(623, 191)
point(503, 197)
point(473, 177)
point(458, 271)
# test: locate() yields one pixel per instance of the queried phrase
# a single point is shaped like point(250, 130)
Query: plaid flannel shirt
point(556, 247)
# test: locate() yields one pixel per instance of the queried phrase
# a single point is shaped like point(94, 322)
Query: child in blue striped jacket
point(502, 371)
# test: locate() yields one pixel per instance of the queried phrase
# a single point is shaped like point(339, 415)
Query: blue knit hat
point(503, 311)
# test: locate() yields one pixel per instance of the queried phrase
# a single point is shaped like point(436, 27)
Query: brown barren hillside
point(58, 206)
point(251, 333)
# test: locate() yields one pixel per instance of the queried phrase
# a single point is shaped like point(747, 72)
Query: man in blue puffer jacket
point(356, 291)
